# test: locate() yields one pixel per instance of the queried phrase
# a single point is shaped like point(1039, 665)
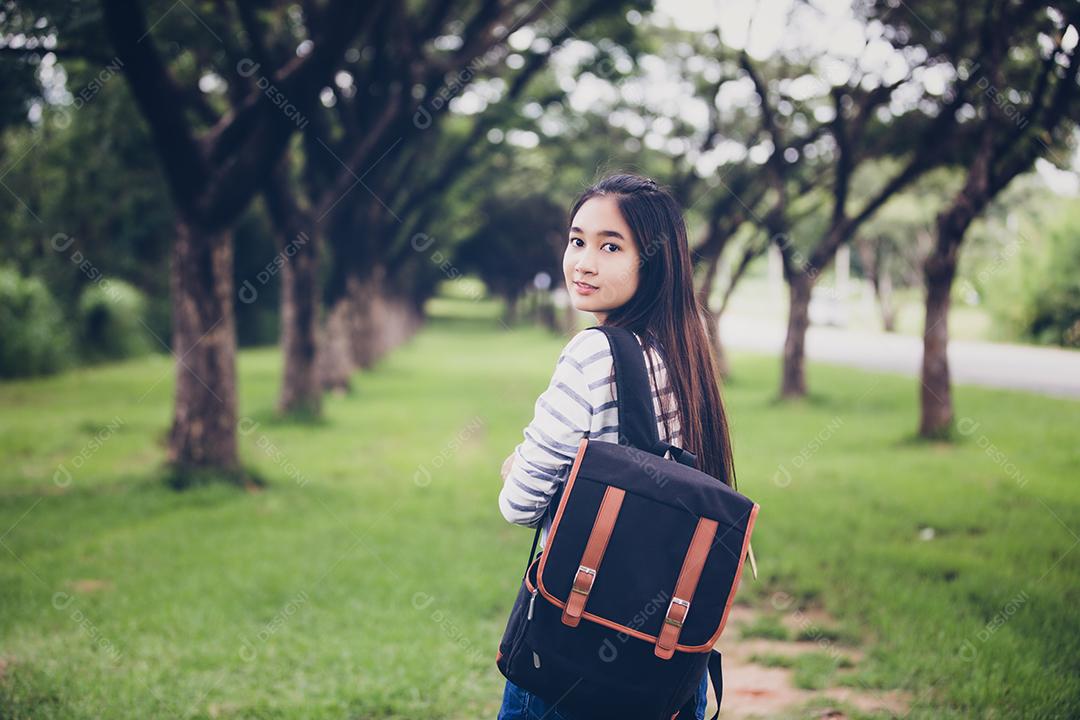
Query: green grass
point(773, 660)
point(372, 577)
point(824, 707)
point(814, 671)
point(767, 627)
point(829, 635)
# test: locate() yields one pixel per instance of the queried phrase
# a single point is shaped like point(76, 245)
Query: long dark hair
point(665, 313)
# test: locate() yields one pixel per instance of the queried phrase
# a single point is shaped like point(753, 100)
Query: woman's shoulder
point(586, 347)
point(585, 359)
point(591, 344)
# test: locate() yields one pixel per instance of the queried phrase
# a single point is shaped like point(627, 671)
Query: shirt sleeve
point(542, 461)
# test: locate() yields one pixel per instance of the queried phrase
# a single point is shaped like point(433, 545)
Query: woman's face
point(602, 255)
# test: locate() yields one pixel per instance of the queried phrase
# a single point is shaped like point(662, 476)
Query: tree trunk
point(203, 433)
point(368, 313)
point(398, 323)
point(299, 241)
point(884, 290)
point(939, 271)
point(875, 268)
point(334, 363)
point(709, 317)
point(301, 391)
point(936, 415)
point(569, 318)
point(385, 320)
point(793, 376)
point(712, 328)
point(363, 325)
point(510, 309)
point(546, 313)
point(347, 240)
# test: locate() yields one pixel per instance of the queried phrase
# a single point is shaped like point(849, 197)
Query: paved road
point(1051, 371)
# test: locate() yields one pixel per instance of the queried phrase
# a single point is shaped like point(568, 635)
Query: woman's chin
point(593, 308)
point(582, 305)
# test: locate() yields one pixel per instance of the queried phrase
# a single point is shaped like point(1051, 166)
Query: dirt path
point(803, 676)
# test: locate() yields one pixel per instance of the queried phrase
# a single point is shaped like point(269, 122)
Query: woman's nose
point(586, 262)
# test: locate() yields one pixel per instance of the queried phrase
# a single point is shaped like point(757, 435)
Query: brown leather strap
point(687, 583)
point(594, 553)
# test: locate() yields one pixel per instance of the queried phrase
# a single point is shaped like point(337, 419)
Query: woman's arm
point(561, 417)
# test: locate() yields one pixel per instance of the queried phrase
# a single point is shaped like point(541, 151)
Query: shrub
point(1051, 310)
point(34, 337)
point(111, 322)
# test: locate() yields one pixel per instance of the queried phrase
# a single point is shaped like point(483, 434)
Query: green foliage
point(36, 339)
point(518, 237)
point(254, 255)
point(86, 199)
point(900, 233)
point(1052, 309)
point(111, 322)
point(91, 177)
point(1030, 278)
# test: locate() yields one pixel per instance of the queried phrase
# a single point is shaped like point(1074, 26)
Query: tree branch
point(160, 100)
point(248, 157)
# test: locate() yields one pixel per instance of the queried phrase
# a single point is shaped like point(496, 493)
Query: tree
point(854, 133)
point(733, 191)
point(890, 247)
point(1007, 140)
point(517, 238)
point(392, 146)
point(212, 176)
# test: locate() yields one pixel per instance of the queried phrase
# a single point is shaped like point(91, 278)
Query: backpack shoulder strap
point(637, 419)
point(715, 673)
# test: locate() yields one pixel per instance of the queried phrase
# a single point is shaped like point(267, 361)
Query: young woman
point(627, 262)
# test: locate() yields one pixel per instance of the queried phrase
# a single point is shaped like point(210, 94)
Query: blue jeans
point(520, 704)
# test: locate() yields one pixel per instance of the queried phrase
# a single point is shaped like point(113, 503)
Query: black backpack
point(648, 551)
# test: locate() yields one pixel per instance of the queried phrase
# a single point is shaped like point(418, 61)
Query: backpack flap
point(646, 546)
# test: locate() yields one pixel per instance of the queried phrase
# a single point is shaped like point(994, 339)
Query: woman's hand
point(506, 466)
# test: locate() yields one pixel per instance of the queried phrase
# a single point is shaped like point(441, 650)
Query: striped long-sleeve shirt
point(579, 401)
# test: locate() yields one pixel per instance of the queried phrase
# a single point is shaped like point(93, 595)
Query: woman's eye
point(613, 246)
point(574, 241)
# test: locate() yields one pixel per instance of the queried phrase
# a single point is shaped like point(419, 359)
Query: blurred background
point(280, 283)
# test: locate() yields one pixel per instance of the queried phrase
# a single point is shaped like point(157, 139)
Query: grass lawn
point(373, 576)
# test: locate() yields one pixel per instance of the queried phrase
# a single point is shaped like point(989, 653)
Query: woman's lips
point(585, 288)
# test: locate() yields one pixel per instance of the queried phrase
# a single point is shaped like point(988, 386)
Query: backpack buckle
point(686, 609)
point(584, 572)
